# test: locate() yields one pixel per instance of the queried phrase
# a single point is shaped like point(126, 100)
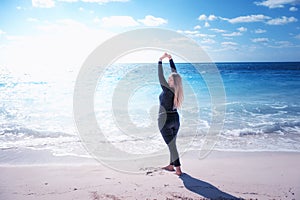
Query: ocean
point(262, 110)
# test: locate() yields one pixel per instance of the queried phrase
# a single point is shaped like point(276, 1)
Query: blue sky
point(43, 32)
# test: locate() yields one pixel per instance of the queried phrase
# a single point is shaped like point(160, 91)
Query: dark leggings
point(169, 125)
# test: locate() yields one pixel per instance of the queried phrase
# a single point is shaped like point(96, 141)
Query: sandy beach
point(221, 175)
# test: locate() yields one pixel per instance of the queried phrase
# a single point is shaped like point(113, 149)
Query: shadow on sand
point(205, 189)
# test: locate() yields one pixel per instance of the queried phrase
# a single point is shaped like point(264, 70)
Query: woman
point(168, 121)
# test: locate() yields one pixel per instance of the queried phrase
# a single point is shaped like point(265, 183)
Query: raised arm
point(161, 76)
point(164, 84)
point(172, 65)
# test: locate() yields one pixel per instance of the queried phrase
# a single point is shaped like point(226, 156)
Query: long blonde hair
point(178, 90)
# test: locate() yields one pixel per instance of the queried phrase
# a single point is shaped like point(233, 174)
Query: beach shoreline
point(227, 175)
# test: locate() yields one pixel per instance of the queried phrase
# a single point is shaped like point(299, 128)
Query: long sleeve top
point(166, 98)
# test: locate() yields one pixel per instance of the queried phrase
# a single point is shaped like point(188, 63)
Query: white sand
point(223, 175)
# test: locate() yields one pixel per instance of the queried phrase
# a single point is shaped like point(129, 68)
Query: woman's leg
point(167, 136)
point(174, 153)
point(169, 129)
point(163, 125)
point(174, 156)
point(173, 147)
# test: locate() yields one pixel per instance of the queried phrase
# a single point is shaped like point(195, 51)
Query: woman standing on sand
point(170, 99)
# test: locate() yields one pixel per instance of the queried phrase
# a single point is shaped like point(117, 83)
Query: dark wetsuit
point(168, 119)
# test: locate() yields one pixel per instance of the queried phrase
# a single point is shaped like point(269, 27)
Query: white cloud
point(197, 27)
point(212, 17)
point(119, 21)
point(276, 3)
point(297, 36)
point(202, 35)
point(203, 17)
point(232, 34)
point(281, 21)
point(208, 41)
point(293, 9)
point(260, 40)
point(258, 31)
point(206, 24)
point(150, 20)
point(195, 33)
point(228, 46)
point(190, 32)
point(261, 18)
point(242, 29)
point(43, 3)
point(248, 18)
point(217, 30)
point(229, 43)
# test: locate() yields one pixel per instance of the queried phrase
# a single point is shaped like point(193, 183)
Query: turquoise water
point(262, 109)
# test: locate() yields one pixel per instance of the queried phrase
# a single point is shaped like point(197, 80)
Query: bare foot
point(169, 168)
point(178, 171)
